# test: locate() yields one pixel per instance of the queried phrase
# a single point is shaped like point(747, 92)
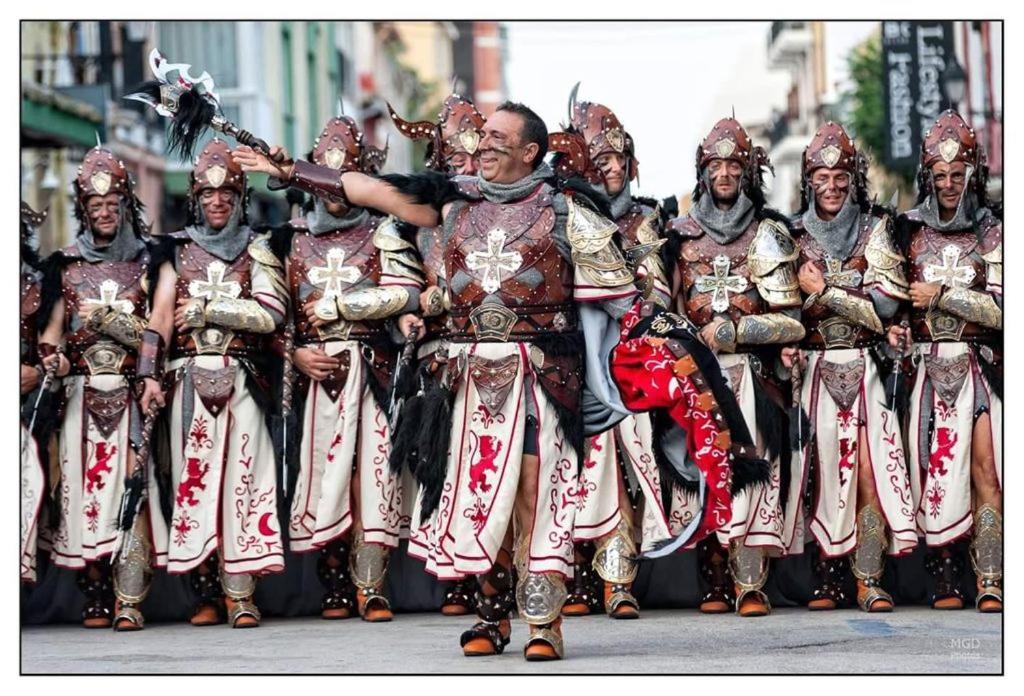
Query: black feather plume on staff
point(190, 122)
point(136, 482)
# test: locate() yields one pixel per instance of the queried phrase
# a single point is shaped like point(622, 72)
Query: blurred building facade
point(279, 80)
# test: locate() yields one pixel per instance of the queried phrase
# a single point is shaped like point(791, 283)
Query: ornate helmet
point(728, 140)
point(593, 130)
point(101, 173)
point(950, 140)
point(458, 130)
point(340, 146)
point(832, 148)
point(214, 168)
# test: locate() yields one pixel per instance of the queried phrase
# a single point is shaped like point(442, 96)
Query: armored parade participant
point(95, 295)
point(452, 145)
point(854, 472)
point(34, 383)
point(219, 294)
point(348, 270)
point(733, 275)
point(596, 147)
point(955, 255)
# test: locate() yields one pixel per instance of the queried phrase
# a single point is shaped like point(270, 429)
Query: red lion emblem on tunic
point(847, 456)
point(94, 474)
point(194, 474)
point(478, 471)
point(944, 445)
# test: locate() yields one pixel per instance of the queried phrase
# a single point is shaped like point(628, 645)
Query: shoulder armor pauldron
point(387, 238)
point(588, 232)
point(685, 227)
point(771, 247)
point(259, 250)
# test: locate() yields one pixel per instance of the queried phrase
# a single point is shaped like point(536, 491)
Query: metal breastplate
point(201, 274)
point(716, 278)
point(30, 300)
point(825, 328)
point(953, 258)
point(506, 254)
point(87, 286)
point(331, 264)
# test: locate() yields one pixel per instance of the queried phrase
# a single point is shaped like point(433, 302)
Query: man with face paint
point(452, 146)
point(732, 262)
point(348, 270)
point(220, 292)
point(597, 148)
point(854, 280)
point(95, 296)
point(33, 444)
point(955, 253)
point(530, 267)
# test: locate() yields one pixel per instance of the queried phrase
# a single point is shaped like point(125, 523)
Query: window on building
point(209, 46)
point(288, 107)
point(312, 93)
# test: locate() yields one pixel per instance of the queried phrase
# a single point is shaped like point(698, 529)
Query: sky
point(668, 82)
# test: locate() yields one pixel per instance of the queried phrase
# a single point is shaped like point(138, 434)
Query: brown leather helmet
point(593, 130)
point(727, 140)
point(340, 146)
point(459, 129)
point(831, 148)
point(950, 140)
point(214, 169)
point(101, 173)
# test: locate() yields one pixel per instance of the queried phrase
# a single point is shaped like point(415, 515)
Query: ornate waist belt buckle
point(105, 358)
point(335, 331)
point(943, 326)
point(838, 333)
point(212, 340)
point(493, 322)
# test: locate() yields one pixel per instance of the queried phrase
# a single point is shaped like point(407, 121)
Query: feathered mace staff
point(192, 105)
point(135, 485)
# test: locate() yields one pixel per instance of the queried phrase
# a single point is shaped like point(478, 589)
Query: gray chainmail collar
point(837, 236)
point(319, 221)
point(723, 226)
point(503, 193)
point(966, 210)
point(124, 247)
point(620, 203)
point(227, 243)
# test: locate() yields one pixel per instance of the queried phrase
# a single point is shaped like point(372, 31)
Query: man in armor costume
point(348, 270)
point(596, 147)
point(95, 296)
point(33, 447)
point(953, 243)
point(452, 145)
point(733, 275)
point(530, 269)
point(854, 280)
point(219, 294)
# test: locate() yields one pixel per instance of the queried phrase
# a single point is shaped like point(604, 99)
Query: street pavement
point(790, 641)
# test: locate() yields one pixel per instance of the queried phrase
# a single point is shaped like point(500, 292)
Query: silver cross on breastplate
point(494, 260)
point(949, 274)
point(837, 277)
point(214, 286)
point(721, 284)
point(108, 298)
point(329, 278)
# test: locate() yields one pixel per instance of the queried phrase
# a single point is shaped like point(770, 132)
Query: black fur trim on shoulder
point(583, 192)
point(879, 211)
point(649, 202)
point(772, 214)
point(280, 240)
point(671, 248)
point(51, 285)
point(905, 226)
point(428, 188)
point(669, 208)
point(162, 250)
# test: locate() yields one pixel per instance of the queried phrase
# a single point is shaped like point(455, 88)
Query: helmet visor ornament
point(949, 149)
point(616, 139)
point(101, 182)
point(334, 158)
point(216, 175)
point(470, 139)
point(830, 155)
point(724, 148)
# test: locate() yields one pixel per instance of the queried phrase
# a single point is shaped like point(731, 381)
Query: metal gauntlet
point(122, 327)
point(322, 182)
point(151, 355)
point(372, 303)
point(195, 313)
point(768, 328)
point(849, 306)
point(972, 305)
point(245, 315)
